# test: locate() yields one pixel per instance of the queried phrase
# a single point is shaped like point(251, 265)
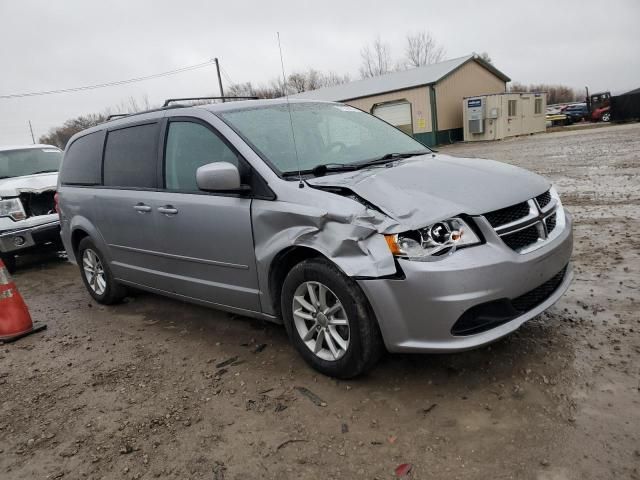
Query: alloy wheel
point(94, 272)
point(321, 320)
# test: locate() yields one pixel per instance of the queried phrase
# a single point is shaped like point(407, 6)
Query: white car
point(28, 217)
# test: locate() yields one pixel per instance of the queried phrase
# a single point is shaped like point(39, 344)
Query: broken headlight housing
point(12, 208)
point(429, 243)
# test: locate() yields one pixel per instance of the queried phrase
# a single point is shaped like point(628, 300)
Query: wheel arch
point(81, 227)
point(282, 264)
point(76, 237)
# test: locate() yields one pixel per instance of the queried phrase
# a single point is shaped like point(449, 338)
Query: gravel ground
point(155, 388)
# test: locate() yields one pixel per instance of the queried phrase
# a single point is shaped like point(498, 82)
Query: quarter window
point(82, 161)
point(513, 108)
point(131, 157)
point(189, 146)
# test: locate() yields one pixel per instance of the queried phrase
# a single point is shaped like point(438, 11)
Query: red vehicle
point(600, 104)
point(602, 114)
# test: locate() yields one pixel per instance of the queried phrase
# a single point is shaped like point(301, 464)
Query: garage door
point(397, 114)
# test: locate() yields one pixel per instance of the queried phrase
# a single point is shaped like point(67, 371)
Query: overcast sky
point(47, 45)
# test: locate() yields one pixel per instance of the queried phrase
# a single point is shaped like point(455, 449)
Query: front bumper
point(21, 239)
point(417, 313)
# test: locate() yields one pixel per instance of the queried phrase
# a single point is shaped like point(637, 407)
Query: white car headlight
point(12, 207)
point(560, 218)
point(430, 242)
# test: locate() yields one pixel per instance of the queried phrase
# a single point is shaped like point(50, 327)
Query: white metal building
point(501, 115)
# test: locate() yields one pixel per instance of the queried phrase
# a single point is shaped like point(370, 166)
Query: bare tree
point(133, 105)
point(59, 136)
point(555, 93)
point(315, 79)
point(422, 49)
point(376, 59)
point(297, 82)
point(332, 78)
point(485, 56)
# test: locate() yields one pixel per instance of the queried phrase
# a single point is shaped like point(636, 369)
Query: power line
point(226, 75)
point(109, 84)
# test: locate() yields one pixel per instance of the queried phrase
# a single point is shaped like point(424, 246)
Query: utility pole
point(219, 78)
point(588, 99)
point(32, 137)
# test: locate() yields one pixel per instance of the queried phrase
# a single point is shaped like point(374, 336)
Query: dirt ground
point(155, 388)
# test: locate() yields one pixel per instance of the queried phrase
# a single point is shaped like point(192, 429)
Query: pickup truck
point(28, 216)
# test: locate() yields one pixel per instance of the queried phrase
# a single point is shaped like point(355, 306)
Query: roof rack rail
point(166, 105)
point(171, 100)
point(117, 115)
point(159, 109)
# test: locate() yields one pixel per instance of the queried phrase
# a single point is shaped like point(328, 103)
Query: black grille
point(522, 238)
point(551, 222)
point(544, 199)
point(535, 297)
point(508, 214)
point(36, 204)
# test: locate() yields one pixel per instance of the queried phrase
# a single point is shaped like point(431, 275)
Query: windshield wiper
point(44, 171)
point(390, 157)
point(322, 169)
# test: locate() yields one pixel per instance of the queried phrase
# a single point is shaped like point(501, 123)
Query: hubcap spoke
point(312, 295)
point(338, 321)
point(336, 336)
point(302, 314)
point(101, 284)
point(318, 345)
point(333, 309)
point(332, 346)
point(322, 296)
point(310, 334)
point(306, 305)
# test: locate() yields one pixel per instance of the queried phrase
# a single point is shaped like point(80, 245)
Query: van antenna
point(293, 133)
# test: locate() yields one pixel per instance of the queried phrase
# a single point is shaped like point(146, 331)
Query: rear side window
point(82, 161)
point(130, 157)
point(190, 146)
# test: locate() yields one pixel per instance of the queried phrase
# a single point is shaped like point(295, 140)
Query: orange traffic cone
point(15, 321)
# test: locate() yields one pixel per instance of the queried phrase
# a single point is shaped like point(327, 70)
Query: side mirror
point(218, 176)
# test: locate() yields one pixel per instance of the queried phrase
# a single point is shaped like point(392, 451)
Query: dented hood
point(421, 190)
point(13, 187)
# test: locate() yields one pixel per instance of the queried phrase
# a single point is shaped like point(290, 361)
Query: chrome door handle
point(142, 208)
point(168, 210)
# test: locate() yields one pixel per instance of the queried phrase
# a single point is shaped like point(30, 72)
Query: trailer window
point(538, 106)
point(512, 108)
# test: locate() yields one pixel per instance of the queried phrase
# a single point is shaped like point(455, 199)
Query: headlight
point(560, 218)
point(430, 242)
point(12, 207)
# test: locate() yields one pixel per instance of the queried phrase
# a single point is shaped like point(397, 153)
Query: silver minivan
point(316, 215)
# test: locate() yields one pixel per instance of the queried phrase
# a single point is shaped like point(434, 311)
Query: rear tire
point(9, 262)
point(344, 343)
point(96, 274)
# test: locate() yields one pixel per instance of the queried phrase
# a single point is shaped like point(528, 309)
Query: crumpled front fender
point(351, 239)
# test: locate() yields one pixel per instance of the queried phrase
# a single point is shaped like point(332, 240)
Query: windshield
point(325, 134)
point(17, 163)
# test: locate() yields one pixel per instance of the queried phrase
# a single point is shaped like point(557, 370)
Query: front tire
point(96, 274)
point(329, 320)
